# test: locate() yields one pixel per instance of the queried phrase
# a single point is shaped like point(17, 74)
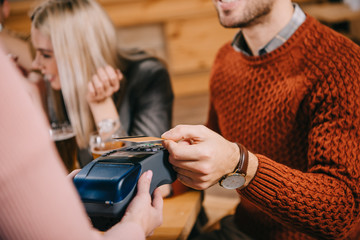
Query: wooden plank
point(19, 23)
point(331, 13)
point(126, 12)
point(180, 213)
point(148, 37)
point(190, 83)
point(192, 44)
point(22, 7)
point(355, 29)
point(191, 109)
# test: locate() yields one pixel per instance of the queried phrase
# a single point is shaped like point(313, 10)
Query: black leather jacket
point(144, 101)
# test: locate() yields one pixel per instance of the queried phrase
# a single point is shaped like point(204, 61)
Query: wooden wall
point(185, 33)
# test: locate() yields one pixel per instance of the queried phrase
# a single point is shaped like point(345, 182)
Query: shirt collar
point(298, 17)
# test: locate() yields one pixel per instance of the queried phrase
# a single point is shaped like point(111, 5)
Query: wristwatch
point(236, 179)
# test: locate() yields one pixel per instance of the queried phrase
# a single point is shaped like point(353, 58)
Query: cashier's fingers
point(157, 200)
point(73, 174)
point(157, 203)
point(143, 210)
point(143, 189)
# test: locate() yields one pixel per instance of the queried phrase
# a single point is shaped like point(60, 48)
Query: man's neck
point(261, 33)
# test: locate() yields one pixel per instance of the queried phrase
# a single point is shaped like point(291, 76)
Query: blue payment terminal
point(107, 184)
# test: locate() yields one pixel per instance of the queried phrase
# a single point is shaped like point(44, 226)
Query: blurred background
point(186, 34)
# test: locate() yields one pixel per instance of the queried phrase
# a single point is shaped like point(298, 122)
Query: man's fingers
point(183, 132)
point(193, 183)
point(182, 151)
point(188, 171)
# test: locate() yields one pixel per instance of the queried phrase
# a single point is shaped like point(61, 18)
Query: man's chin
point(229, 23)
point(233, 22)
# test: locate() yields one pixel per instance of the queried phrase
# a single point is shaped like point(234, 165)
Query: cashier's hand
point(72, 174)
point(104, 84)
point(199, 155)
point(144, 210)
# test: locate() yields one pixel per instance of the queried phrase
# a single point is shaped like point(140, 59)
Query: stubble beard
point(250, 17)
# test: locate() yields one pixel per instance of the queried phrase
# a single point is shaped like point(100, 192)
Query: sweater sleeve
point(323, 200)
point(37, 200)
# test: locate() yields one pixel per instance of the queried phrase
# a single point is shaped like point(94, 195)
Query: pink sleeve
point(37, 201)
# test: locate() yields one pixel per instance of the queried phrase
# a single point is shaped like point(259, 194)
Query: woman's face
point(45, 59)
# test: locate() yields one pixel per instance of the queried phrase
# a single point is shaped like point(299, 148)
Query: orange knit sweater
point(298, 109)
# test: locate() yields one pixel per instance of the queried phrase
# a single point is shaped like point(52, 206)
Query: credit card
point(140, 139)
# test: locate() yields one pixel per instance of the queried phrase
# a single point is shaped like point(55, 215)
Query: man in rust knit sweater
point(287, 90)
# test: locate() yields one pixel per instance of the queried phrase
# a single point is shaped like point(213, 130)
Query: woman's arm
point(37, 200)
point(101, 88)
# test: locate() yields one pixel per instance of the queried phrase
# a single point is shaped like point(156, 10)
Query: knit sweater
point(298, 109)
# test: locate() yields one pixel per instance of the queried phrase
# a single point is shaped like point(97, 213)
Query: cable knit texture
point(298, 109)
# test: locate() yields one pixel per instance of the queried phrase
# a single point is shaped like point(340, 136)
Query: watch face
point(233, 181)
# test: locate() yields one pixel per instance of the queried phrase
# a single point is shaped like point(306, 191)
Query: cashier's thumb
point(149, 175)
point(144, 182)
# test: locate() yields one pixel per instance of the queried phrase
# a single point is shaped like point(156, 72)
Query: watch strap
point(241, 167)
point(243, 160)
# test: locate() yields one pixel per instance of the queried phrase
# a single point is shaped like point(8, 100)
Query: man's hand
point(200, 156)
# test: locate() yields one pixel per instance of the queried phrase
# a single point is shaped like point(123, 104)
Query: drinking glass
point(64, 137)
point(100, 146)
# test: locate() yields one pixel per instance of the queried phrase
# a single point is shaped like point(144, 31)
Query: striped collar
point(240, 45)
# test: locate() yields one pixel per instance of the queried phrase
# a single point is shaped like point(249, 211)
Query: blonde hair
point(83, 39)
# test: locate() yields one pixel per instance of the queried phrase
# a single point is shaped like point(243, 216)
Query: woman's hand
point(104, 84)
point(143, 210)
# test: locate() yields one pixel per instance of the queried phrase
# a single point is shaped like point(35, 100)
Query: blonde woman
point(77, 51)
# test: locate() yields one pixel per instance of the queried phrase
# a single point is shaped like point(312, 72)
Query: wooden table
point(180, 213)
